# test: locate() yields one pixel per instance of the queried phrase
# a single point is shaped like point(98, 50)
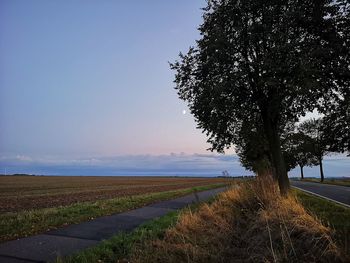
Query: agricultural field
point(18, 193)
point(34, 204)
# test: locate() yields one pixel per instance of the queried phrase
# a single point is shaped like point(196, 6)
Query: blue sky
point(85, 88)
point(81, 78)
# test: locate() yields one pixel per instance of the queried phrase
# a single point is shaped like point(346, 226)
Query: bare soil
point(19, 193)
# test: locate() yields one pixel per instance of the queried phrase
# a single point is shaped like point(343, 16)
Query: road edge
point(321, 196)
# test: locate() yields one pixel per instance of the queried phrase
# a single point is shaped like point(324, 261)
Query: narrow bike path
point(70, 239)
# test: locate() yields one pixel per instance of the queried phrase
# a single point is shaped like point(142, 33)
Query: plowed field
point(31, 192)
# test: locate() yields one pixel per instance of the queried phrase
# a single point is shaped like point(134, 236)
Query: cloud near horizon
point(171, 164)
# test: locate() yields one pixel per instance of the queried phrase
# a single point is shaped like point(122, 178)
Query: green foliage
point(313, 128)
point(299, 150)
point(265, 63)
point(337, 125)
point(253, 56)
point(253, 150)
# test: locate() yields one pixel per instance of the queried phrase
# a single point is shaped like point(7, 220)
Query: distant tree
point(299, 150)
point(313, 128)
point(263, 60)
point(225, 173)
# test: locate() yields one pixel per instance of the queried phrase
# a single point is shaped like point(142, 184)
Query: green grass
point(121, 246)
point(332, 214)
point(25, 223)
point(334, 181)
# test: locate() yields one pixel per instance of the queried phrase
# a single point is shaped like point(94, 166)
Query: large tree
point(265, 61)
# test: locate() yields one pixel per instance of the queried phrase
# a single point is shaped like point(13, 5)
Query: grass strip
point(333, 181)
point(119, 248)
point(26, 223)
point(332, 214)
point(249, 223)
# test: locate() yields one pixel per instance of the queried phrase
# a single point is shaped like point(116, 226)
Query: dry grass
point(251, 223)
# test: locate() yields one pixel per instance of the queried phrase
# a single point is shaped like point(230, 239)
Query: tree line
point(308, 144)
point(260, 65)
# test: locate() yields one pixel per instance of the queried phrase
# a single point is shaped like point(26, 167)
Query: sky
point(82, 78)
point(86, 88)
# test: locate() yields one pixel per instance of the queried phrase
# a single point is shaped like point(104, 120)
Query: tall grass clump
point(249, 223)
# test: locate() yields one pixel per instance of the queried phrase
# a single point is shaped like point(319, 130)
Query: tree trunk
point(301, 172)
point(278, 165)
point(321, 169)
point(263, 172)
point(262, 167)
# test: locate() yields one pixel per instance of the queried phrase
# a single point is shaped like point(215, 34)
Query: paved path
point(336, 193)
point(67, 240)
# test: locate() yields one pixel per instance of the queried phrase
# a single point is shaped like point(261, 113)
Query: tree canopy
point(266, 63)
point(336, 125)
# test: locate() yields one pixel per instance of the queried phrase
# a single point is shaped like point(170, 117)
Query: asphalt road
point(70, 239)
point(335, 192)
